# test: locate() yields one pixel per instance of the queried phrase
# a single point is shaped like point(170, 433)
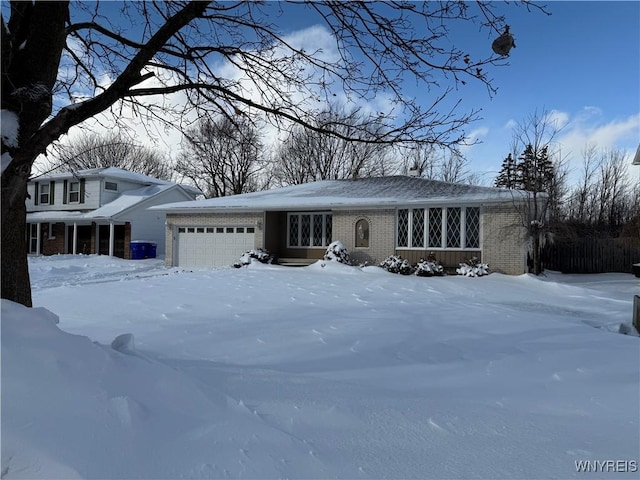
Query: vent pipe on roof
point(413, 172)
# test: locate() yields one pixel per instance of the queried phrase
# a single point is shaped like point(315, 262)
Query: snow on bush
point(263, 256)
point(473, 268)
point(338, 252)
point(397, 264)
point(429, 268)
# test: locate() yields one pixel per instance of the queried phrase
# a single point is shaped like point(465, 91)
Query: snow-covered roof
point(114, 173)
point(355, 193)
point(111, 210)
point(56, 216)
point(129, 199)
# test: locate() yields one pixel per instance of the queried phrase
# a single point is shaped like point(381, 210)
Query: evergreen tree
point(536, 175)
point(534, 170)
point(507, 177)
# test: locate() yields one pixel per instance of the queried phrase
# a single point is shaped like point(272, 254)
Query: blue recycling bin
point(140, 250)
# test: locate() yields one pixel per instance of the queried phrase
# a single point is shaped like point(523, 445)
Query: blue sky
point(582, 63)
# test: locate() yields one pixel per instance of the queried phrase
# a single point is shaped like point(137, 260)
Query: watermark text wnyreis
point(606, 466)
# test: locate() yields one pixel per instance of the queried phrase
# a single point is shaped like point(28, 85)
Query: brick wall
point(212, 220)
point(55, 244)
point(382, 224)
point(503, 239)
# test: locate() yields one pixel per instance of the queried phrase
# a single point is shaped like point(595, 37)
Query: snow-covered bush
point(473, 268)
point(429, 268)
point(338, 252)
point(397, 264)
point(259, 254)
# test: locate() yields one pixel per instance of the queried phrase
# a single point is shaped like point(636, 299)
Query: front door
point(33, 238)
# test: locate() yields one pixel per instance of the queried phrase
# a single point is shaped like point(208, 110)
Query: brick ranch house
point(373, 217)
point(98, 210)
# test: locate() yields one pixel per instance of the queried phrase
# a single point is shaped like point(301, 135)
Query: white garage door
point(213, 246)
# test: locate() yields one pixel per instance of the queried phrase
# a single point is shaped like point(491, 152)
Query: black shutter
point(82, 190)
point(65, 188)
point(36, 193)
point(52, 192)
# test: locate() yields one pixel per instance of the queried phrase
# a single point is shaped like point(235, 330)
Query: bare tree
point(540, 179)
point(63, 64)
point(582, 197)
point(613, 190)
point(309, 155)
point(428, 161)
point(92, 150)
point(604, 200)
point(419, 160)
point(453, 168)
point(222, 157)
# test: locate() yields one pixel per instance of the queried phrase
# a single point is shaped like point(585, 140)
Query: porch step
point(296, 262)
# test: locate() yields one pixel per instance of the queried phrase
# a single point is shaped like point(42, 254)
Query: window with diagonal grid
point(309, 229)
point(305, 230)
point(293, 230)
point(417, 229)
point(453, 227)
point(403, 228)
point(435, 227)
point(317, 230)
point(472, 228)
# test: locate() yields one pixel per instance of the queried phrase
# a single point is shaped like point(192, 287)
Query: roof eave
point(326, 206)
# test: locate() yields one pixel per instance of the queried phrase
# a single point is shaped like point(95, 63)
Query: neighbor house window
point(113, 186)
point(45, 190)
point(309, 229)
point(440, 228)
point(74, 192)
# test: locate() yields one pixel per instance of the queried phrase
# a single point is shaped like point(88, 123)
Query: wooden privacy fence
point(592, 255)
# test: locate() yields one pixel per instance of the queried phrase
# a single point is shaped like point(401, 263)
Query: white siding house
point(99, 210)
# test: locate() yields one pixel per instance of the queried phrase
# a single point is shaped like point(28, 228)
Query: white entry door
point(213, 246)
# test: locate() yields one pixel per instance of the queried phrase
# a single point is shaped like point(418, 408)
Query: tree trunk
point(32, 44)
point(536, 251)
point(16, 285)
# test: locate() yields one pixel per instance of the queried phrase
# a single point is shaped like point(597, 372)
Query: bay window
point(438, 228)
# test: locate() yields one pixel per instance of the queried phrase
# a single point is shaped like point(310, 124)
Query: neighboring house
point(100, 210)
point(373, 217)
point(636, 158)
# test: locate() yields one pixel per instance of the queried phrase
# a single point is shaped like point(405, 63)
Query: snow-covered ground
point(317, 372)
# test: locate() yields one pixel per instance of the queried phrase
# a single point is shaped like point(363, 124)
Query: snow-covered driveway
point(319, 372)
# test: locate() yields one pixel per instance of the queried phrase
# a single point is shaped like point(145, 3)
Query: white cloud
point(511, 124)
point(557, 119)
point(587, 126)
point(618, 133)
point(167, 135)
point(473, 137)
